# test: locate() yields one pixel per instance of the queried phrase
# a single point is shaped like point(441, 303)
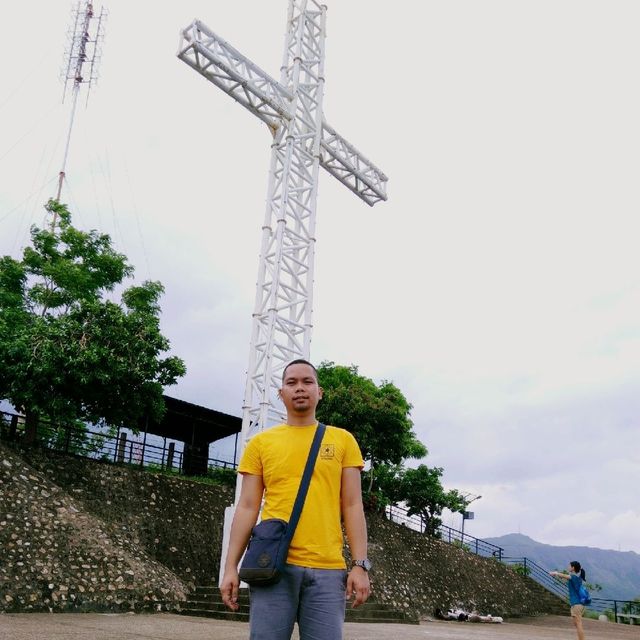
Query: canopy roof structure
point(192, 424)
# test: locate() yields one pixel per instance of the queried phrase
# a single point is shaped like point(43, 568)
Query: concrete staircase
point(206, 602)
point(549, 601)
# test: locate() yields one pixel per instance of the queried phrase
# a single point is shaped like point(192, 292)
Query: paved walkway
point(92, 626)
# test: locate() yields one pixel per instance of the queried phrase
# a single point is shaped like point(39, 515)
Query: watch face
point(365, 564)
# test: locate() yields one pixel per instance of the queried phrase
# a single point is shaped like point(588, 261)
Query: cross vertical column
point(302, 142)
point(282, 318)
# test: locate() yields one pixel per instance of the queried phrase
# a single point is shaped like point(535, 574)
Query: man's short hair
point(300, 361)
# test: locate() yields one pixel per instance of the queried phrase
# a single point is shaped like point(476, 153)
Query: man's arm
point(356, 528)
point(244, 520)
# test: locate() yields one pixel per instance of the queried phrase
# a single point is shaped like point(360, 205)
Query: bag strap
point(304, 483)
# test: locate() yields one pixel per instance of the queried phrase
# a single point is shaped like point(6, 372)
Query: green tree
point(385, 486)
point(424, 495)
point(633, 606)
point(68, 352)
point(378, 415)
point(521, 569)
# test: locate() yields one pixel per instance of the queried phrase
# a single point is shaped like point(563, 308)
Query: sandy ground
point(91, 626)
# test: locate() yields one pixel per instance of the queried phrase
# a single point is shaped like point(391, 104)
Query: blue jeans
point(314, 598)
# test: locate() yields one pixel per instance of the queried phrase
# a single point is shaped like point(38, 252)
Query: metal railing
point(119, 446)
point(615, 610)
point(445, 533)
point(624, 611)
point(528, 568)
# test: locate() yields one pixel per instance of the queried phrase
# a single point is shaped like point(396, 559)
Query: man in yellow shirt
point(315, 583)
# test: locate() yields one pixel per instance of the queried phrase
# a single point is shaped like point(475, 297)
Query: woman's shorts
point(577, 610)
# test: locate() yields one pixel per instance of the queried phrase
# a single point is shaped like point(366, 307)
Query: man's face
point(300, 390)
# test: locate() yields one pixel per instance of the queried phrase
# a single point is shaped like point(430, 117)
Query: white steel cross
point(302, 142)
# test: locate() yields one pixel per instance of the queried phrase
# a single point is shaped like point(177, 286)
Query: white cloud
point(498, 285)
point(595, 529)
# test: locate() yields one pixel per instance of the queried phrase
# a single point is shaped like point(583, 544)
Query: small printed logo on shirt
point(327, 451)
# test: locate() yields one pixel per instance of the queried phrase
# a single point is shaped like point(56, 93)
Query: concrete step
point(390, 617)
point(378, 612)
point(211, 606)
point(380, 620)
point(206, 601)
point(233, 616)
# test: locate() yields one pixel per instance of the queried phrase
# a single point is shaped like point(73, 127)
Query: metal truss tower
point(81, 59)
point(302, 143)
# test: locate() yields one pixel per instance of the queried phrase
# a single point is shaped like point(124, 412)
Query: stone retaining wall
point(178, 522)
point(79, 534)
point(425, 574)
point(57, 556)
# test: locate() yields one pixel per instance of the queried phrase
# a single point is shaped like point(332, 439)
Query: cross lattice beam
point(223, 65)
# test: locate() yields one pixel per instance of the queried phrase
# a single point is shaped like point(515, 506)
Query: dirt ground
point(91, 626)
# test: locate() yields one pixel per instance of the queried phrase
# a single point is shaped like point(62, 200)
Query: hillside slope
point(618, 572)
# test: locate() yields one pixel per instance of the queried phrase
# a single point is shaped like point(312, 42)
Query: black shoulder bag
point(268, 546)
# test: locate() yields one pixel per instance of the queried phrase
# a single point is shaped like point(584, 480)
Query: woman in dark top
point(574, 580)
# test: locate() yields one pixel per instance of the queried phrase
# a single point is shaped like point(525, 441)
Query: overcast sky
point(499, 285)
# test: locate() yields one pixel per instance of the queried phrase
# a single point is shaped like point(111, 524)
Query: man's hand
point(229, 589)
point(358, 585)
point(245, 517)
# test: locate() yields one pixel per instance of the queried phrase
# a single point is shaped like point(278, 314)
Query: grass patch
point(216, 475)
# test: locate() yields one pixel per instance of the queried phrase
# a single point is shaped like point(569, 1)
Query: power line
point(35, 126)
point(39, 189)
point(135, 211)
point(25, 77)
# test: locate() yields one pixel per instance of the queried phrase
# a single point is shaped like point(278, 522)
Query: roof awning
point(192, 423)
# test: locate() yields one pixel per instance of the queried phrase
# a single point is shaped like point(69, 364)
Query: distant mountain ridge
point(617, 572)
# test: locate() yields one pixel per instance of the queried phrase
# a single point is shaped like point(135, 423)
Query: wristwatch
point(364, 564)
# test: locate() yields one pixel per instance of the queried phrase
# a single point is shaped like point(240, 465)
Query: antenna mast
point(81, 59)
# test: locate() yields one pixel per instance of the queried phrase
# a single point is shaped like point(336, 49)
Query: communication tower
point(80, 65)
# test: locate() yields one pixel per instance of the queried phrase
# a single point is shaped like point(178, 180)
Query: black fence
point(447, 534)
point(623, 611)
point(527, 567)
point(111, 445)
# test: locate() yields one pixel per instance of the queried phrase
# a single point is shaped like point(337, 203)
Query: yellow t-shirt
point(279, 455)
